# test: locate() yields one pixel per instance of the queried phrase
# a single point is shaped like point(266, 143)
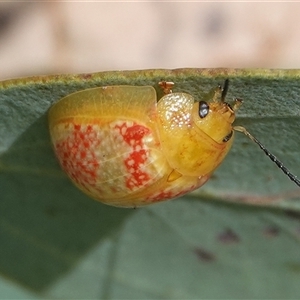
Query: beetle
point(121, 146)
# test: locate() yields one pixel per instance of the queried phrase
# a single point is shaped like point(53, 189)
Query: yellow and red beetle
point(121, 146)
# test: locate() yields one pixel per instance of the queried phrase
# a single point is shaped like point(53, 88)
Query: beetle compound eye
point(203, 109)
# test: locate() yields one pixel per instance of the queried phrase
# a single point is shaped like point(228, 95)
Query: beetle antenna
point(225, 90)
point(269, 154)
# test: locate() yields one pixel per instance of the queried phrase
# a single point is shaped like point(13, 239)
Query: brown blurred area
point(79, 37)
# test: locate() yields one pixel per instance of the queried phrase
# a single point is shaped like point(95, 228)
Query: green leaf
point(58, 243)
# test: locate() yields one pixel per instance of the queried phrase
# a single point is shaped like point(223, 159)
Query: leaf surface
point(58, 243)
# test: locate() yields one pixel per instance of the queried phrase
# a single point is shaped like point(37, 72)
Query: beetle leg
point(166, 86)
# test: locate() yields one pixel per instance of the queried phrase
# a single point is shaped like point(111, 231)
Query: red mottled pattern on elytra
point(135, 162)
point(76, 154)
point(169, 194)
point(178, 188)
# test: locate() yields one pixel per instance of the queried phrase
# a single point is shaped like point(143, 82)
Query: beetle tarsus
point(237, 103)
point(166, 86)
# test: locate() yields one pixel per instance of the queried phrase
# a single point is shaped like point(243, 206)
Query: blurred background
point(81, 37)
